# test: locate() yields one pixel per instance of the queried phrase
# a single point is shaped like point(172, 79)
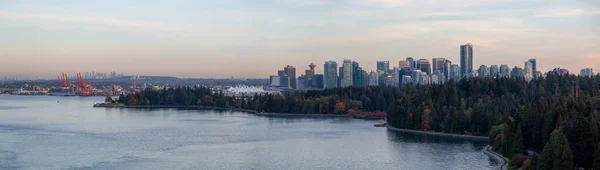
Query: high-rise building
point(483, 71)
point(403, 64)
point(447, 69)
point(373, 78)
point(317, 81)
point(528, 71)
point(383, 66)
point(411, 61)
point(303, 83)
point(291, 73)
point(275, 81)
point(455, 72)
point(586, 72)
point(416, 76)
point(517, 72)
point(406, 80)
point(466, 59)
point(504, 71)
point(533, 65)
point(356, 73)
point(347, 76)
point(438, 65)
point(494, 71)
point(330, 74)
point(424, 66)
point(396, 76)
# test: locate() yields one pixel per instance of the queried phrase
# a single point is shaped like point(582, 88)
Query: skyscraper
point(347, 73)
point(383, 67)
point(373, 79)
point(356, 81)
point(317, 81)
point(455, 72)
point(411, 61)
point(533, 65)
point(447, 70)
point(330, 74)
point(494, 71)
point(466, 59)
point(404, 64)
point(438, 65)
point(528, 71)
point(424, 66)
point(291, 73)
point(586, 72)
point(483, 71)
point(504, 71)
point(516, 72)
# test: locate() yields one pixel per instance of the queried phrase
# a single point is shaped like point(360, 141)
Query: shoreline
point(502, 161)
point(478, 138)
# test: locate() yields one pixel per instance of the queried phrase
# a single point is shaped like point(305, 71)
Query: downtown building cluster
point(407, 71)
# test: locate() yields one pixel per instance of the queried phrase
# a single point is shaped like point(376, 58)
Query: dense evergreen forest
point(556, 115)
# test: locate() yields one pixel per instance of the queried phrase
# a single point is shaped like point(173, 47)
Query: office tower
point(356, 81)
point(403, 64)
point(373, 78)
point(303, 83)
point(396, 76)
point(317, 81)
point(387, 80)
point(424, 66)
point(455, 72)
point(466, 59)
point(586, 72)
point(516, 72)
point(483, 71)
point(341, 76)
point(404, 71)
point(504, 71)
point(311, 71)
point(347, 73)
point(361, 78)
point(406, 80)
point(447, 69)
point(561, 71)
point(533, 65)
point(411, 61)
point(438, 65)
point(275, 81)
point(383, 67)
point(528, 71)
point(416, 76)
point(330, 74)
point(291, 73)
point(494, 71)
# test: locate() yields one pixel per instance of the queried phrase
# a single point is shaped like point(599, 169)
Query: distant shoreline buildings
point(407, 71)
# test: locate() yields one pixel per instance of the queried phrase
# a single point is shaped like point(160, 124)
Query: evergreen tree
point(597, 157)
point(556, 154)
point(518, 146)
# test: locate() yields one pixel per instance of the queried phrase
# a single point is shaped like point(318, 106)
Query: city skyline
point(249, 40)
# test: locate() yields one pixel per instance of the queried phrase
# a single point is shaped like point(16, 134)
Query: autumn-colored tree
point(131, 99)
point(108, 99)
point(340, 107)
point(425, 119)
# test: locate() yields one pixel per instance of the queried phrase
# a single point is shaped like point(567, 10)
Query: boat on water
point(63, 91)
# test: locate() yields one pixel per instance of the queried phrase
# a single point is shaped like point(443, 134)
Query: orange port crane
point(65, 81)
point(85, 88)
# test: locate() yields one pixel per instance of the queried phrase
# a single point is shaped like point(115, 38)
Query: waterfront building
point(466, 59)
point(310, 72)
point(303, 83)
point(330, 74)
point(347, 74)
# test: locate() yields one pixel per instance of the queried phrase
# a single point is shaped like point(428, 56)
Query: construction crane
point(84, 88)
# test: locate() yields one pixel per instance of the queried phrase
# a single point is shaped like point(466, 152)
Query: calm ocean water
point(43, 132)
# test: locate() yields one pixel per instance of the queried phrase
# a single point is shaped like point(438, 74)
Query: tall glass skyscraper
point(347, 76)
point(533, 64)
point(330, 74)
point(466, 59)
point(383, 66)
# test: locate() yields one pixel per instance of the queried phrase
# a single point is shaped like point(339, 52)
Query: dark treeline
point(515, 114)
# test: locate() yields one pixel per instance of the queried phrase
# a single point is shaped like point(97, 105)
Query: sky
point(255, 38)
